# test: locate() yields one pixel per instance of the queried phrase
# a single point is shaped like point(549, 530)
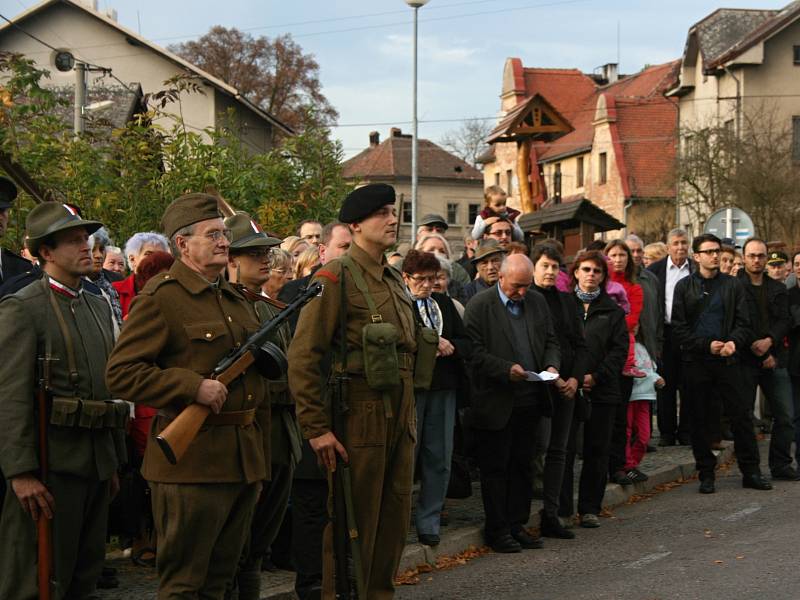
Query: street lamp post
point(416, 5)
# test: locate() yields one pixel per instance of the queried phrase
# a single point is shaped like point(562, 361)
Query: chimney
point(395, 132)
point(611, 72)
point(374, 139)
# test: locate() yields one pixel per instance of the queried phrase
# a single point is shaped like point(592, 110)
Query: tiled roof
point(723, 28)
point(648, 134)
point(645, 120)
point(566, 89)
point(763, 30)
point(392, 158)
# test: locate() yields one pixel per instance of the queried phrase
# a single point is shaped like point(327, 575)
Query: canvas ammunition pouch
point(425, 363)
point(379, 340)
point(89, 414)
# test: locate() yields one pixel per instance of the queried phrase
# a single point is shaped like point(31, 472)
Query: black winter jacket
point(688, 304)
point(779, 319)
point(606, 336)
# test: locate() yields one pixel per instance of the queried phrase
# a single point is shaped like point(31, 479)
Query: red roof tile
point(392, 158)
point(645, 121)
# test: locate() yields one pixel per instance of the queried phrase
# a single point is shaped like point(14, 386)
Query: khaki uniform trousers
point(201, 530)
point(381, 452)
point(79, 537)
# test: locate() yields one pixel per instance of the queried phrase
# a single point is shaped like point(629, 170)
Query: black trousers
point(561, 423)
point(504, 459)
point(619, 432)
point(669, 425)
point(309, 517)
point(594, 474)
point(701, 377)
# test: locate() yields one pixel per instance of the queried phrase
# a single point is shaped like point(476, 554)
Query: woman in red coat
point(623, 270)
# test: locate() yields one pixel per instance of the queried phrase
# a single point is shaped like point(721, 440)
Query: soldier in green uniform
point(248, 269)
point(380, 425)
point(179, 327)
point(54, 321)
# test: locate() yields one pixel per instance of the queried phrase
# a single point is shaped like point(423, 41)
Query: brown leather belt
point(355, 361)
point(234, 417)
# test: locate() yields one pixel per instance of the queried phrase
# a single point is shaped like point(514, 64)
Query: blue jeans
point(436, 418)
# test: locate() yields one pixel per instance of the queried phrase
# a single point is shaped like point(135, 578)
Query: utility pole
point(80, 98)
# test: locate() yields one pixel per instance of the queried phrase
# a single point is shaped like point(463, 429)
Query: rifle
point(349, 572)
point(257, 350)
point(44, 527)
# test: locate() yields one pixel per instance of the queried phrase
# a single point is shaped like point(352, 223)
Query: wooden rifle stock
point(177, 436)
point(44, 529)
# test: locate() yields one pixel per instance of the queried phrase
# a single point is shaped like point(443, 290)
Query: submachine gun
point(257, 350)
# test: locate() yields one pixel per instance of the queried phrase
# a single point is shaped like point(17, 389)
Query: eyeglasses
point(215, 236)
point(424, 278)
point(595, 270)
point(714, 252)
point(756, 256)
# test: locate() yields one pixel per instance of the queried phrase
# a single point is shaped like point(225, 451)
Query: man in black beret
point(376, 437)
point(11, 264)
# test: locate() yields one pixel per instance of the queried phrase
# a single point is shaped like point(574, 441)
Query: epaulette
point(327, 275)
point(156, 281)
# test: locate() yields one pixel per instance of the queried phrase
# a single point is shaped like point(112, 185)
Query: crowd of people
point(537, 359)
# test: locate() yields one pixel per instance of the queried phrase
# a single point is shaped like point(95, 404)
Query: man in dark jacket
point(709, 317)
point(766, 359)
point(487, 262)
point(512, 334)
point(669, 272)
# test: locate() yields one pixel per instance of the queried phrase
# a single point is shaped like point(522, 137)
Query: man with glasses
point(669, 271)
point(766, 358)
point(711, 324)
point(180, 326)
point(487, 262)
point(502, 231)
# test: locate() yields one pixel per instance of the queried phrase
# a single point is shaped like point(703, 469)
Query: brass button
point(167, 276)
point(209, 335)
point(238, 344)
point(249, 396)
point(229, 319)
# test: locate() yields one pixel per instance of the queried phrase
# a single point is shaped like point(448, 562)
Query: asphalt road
point(679, 544)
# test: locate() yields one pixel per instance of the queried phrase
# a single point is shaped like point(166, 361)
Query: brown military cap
point(486, 249)
point(188, 210)
point(48, 218)
point(245, 233)
point(363, 201)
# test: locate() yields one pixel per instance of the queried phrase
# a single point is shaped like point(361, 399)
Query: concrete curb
point(462, 538)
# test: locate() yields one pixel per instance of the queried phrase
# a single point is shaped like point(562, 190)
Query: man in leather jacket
point(710, 321)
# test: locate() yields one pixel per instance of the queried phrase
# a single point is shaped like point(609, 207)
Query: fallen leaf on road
point(718, 562)
point(739, 557)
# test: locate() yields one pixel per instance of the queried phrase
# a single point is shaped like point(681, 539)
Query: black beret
point(188, 210)
point(8, 191)
point(362, 202)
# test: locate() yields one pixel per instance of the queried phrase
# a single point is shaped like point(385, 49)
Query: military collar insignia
point(64, 290)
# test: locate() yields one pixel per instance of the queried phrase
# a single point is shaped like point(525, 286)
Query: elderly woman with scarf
point(436, 407)
point(606, 338)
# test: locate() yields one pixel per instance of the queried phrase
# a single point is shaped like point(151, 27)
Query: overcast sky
point(364, 46)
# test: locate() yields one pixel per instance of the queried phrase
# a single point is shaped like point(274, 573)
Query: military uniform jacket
point(27, 322)
point(178, 329)
point(282, 446)
point(318, 330)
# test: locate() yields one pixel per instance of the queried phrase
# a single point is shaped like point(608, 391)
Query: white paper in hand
point(544, 376)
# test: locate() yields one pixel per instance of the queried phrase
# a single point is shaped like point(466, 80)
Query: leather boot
point(551, 526)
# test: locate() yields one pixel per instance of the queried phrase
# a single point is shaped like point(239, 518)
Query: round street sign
point(730, 222)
